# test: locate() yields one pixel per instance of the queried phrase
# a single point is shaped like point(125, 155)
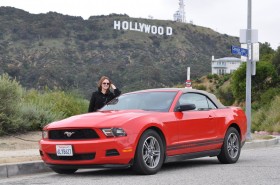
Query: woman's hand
point(113, 86)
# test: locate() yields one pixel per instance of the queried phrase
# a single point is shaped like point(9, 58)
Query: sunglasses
point(106, 83)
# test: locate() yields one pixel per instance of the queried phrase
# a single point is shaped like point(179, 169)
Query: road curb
point(9, 170)
point(261, 143)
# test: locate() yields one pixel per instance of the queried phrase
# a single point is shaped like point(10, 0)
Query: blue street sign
point(239, 51)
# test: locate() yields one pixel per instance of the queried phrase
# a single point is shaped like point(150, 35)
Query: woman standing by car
point(103, 95)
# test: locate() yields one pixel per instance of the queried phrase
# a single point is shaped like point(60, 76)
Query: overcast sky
point(224, 16)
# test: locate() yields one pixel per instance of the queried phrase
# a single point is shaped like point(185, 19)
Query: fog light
point(112, 152)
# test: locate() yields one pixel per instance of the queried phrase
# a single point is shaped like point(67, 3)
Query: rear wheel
point(149, 154)
point(64, 171)
point(231, 147)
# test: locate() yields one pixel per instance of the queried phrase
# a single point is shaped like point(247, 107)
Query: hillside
point(59, 51)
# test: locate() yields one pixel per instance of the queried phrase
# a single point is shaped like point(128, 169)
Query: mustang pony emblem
point(69, 134)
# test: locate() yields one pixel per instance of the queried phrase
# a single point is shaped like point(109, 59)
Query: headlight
point(113, 132)
point(45, 134)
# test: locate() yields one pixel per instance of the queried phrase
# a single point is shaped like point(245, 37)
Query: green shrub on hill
point(40, 109)
point(65, 104)
point(200, 87)
point(268, 96)
point(267, 118)
point(36, 117)
point(10, 98)
point(225, 96)
point(264, 79)
point(22, 110)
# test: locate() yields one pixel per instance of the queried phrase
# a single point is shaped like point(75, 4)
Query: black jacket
point(98, 99)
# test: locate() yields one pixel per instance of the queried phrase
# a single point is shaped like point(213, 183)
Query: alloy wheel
point(151, 152)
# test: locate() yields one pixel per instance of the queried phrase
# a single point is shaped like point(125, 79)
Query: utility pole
point(249, 70)
point(249, 37)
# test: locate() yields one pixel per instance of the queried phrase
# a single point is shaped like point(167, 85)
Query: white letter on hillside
point(130, 26)
point(141, 25)
point(154, 30)
point(168, 31)
point(147, 28)
point(160, 30)
point(136, 26)
point(117, 25)
point(125, 25)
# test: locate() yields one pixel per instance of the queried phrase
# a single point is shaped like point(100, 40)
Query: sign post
point(251, 37)
point(188, 81)
point(188, 84)
point(248, 71)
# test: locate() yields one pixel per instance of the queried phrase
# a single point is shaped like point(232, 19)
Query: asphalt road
point(255, 166)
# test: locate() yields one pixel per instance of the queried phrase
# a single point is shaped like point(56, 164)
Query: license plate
point(64, 150)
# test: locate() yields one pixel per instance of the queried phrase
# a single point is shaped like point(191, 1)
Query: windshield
point(150, 101)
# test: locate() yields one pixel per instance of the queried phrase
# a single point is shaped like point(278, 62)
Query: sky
point(223, 16)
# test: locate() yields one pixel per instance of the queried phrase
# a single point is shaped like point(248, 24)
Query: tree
point(266, 52)
point(264, 79)
point(238, 84)
point(276, 60)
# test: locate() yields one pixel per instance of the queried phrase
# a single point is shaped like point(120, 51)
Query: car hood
point(101, 119)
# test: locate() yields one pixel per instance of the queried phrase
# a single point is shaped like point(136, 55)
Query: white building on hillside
point(225, 65)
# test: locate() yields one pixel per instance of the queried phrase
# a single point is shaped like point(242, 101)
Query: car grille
point(75, 157)
point(72, 134)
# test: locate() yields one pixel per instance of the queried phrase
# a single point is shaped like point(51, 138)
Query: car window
point(150, 101)
point(201, 101)
point(211, 104)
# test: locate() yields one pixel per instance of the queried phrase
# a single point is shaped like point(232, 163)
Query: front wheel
point(231, 147)
point(149, 154)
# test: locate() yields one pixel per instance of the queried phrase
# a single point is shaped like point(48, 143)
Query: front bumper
point(106, 152)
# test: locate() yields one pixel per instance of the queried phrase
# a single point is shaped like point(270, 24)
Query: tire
point(149, 154)
point(231, 147)
point(64, 171)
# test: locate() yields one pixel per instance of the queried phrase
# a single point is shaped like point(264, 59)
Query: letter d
point(168, 31)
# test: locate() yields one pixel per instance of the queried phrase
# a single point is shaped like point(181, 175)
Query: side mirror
point(186, 107)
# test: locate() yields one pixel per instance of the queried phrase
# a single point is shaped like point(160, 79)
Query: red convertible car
point(145, 129)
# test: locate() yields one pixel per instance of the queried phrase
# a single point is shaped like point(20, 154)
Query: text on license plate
point(64, 150)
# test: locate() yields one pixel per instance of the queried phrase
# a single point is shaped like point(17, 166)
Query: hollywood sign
point(141, 27)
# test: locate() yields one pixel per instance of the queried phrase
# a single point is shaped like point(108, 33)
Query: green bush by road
point(24, 110)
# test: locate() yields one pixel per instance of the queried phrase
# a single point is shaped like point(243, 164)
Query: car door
point(197, 128)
